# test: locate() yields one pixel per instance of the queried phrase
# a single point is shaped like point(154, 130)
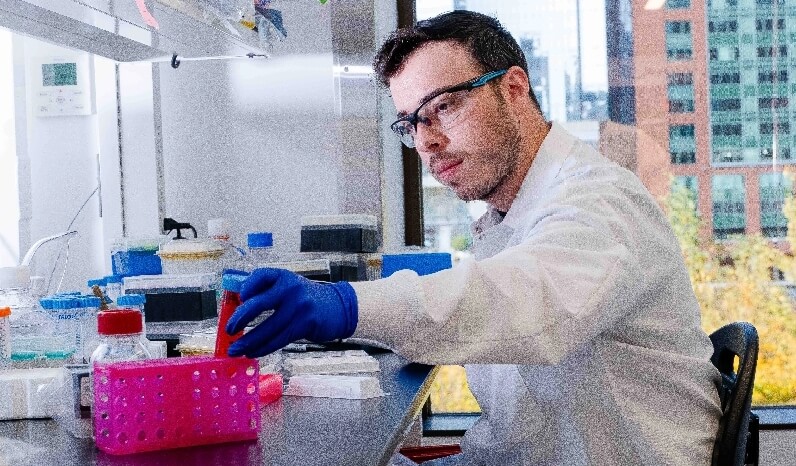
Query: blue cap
point(47, 303)
point(131, 300)
point(63, 303)
point(91, 301)
point(113, 279)
point(260, 239)
point(233, 282)
point(96, 281)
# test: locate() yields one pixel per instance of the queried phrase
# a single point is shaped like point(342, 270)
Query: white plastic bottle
point(218, 230)
point(260, 249)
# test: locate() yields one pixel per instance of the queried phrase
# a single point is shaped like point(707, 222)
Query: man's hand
point(303, 309)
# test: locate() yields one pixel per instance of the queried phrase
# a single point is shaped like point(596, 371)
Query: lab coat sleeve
point(572, 278)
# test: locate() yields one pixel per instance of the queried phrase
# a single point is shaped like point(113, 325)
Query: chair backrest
point(735, 339)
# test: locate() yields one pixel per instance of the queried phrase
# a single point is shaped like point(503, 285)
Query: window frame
point(772, 417)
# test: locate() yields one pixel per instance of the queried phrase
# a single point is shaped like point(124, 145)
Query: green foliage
point(461, 242)
point(732, 282)
point(450, 392)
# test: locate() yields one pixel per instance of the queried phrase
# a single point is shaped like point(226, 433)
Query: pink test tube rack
point(177, 402)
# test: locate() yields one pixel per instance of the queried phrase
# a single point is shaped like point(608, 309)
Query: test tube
point(231, 283)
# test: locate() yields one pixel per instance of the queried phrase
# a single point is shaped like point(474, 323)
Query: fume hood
point(136, 30)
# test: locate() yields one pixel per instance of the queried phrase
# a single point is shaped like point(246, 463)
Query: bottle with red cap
point(120, 337)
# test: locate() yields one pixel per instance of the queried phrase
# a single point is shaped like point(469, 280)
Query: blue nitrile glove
point(303, 309)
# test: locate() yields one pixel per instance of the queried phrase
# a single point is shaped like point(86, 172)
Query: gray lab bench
point(295, 431)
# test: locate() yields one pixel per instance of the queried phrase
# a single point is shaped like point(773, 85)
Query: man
point(576, 323)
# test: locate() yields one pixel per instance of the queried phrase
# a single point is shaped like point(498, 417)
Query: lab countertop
point(295, 431)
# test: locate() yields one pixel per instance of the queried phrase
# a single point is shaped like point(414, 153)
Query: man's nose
point(429, 137)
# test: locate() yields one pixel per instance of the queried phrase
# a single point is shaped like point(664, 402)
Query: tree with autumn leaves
point(732, 281)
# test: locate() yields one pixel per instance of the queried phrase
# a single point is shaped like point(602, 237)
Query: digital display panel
point(59, 74)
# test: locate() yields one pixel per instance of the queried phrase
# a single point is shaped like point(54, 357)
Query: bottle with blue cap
point(218, 229)
point(113, 286)
point(59, 340)
point(67, 311)
point(73, 316)
point(261, 244)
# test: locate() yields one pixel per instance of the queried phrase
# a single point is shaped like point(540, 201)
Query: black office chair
point(736, 443)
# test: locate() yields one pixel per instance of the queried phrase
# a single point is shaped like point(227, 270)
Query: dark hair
point(483, 36)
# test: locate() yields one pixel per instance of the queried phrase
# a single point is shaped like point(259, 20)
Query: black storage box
point(339, 233)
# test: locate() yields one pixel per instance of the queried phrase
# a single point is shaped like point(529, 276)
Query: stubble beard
point(503, 156)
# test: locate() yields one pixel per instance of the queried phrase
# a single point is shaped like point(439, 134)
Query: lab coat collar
point(555, 148)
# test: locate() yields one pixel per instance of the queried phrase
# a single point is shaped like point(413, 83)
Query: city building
point(721, 69)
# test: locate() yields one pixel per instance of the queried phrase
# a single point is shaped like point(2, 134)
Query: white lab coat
point(576, 323)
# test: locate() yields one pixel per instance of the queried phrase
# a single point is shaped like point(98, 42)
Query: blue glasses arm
point(487, 77)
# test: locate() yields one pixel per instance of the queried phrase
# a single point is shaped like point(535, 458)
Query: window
point(677, 4)
point(781, 128)
point(773, 189)
point(725, 78)
point(678, 27)
point(771, 52)
point(723, 26)
point(732, 129)
point(772, 102)
point(768, 24)
point(725, 105)
point(707, 136)
point(691, 183)
point(767, 153)
point(769, 77)
point(681, 78)
point(682, 145)
point(678, 40)
point(681, 106)
point(718, 5)
point(681, 93)
point(727, 155)
point(725, 53)
point(729, 211)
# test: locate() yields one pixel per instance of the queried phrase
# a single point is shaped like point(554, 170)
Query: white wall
point(58, 170)
point(9, 191)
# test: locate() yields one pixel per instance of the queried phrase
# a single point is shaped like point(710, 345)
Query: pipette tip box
point(335, 386)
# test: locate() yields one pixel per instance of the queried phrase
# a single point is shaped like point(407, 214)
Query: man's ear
point(516, 82)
